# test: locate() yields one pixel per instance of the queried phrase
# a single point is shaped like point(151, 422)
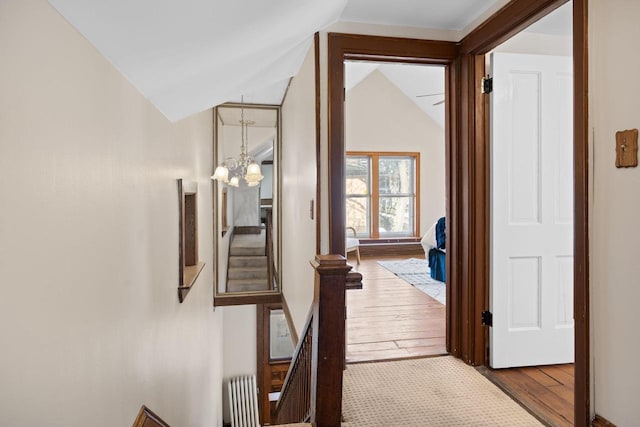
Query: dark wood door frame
point(467, 169)
point(389, 49)
point(507, 22)
point(372, 48)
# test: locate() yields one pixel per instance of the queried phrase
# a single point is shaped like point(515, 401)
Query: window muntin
point(381, 191)
point(358, 172)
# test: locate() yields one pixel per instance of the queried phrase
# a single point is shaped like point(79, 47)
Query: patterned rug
point(437, 391)
point(416, 272)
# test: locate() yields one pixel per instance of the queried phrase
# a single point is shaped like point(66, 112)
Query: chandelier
point(232, 170)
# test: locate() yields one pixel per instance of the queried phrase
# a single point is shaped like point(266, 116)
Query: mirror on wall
point(246, 186)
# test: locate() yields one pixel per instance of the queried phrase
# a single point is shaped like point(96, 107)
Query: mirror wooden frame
point(260, 297)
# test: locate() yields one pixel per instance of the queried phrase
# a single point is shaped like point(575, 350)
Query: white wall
point(614, 100)
point(90, 324)
point(240, 346)
point(379, 117)
point(298, 232)
point(246, 206)
point(299, 188)
point(538, 44)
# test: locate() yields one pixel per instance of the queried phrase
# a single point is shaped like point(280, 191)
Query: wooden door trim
point(507, 22)
point(514, 17)
point(373, 48)
point(318, 202)
point(343, 47)
point(467, 175)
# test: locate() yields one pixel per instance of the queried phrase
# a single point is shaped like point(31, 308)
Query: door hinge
point(487, 84)
point(487, 318)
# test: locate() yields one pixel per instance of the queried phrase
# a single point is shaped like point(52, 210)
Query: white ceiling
point(187, 56)
point(439, 14)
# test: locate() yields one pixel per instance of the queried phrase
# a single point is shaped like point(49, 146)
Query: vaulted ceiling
point(186, 56)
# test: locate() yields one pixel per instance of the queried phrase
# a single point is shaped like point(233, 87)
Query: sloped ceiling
point(412, 80)
point(187, 56)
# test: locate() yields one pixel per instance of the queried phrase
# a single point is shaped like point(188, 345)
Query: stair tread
point(241, 273)
point(246, 251)
point(248, 265)
point(239, 285)
point(248, 256)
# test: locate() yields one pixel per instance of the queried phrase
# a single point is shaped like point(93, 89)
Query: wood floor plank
point(390, 319)
point(420, 342)
point(372, 346)
point(547, 391)
point(536, 374)
point(560, 373)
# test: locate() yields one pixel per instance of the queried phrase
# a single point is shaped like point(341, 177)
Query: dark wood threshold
point(599, 421)
point(547, 392)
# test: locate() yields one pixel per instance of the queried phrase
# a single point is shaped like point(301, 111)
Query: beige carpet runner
point(439, 391)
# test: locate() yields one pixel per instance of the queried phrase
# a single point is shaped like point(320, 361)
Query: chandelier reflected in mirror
point(244, 169)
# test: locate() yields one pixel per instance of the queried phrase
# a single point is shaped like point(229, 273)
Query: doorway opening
point(467, 179)
point(394, 204)
point(531, 341)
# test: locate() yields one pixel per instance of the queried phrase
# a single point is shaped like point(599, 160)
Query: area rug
point(438, 391)
point(416, 272)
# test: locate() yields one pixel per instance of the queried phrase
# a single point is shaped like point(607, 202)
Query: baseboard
point(387, 249)
point(599, 421)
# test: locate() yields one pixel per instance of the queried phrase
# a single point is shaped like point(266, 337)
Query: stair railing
point(312, 390)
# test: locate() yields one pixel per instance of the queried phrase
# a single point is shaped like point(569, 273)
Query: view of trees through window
point(381, 194)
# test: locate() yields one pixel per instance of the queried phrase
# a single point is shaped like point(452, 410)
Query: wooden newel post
point(328, 343)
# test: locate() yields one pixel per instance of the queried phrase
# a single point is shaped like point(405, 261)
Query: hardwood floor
point(390, 319)
point(546, 391)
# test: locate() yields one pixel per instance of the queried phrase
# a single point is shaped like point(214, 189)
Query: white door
point(531, 210)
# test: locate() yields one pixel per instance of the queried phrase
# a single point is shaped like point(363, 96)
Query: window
point(382, 197)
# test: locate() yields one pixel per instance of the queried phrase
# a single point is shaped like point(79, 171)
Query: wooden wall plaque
point(627, 148)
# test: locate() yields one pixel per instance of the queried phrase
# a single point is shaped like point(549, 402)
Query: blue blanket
point(437, 256)
point(437, 265)
point(441, 233)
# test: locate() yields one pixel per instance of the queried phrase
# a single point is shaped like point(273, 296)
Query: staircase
point(248, 271)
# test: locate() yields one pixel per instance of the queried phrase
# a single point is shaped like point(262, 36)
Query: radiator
point(243, 398)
